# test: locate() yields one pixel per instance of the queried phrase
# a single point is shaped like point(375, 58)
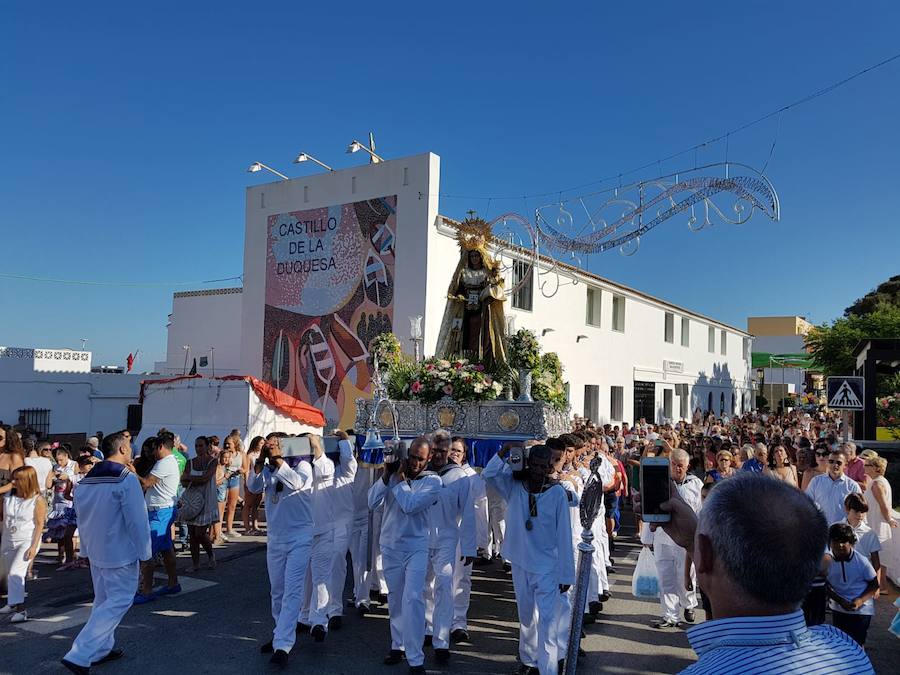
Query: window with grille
point(523, 297)
point(592, 402)
point(37, 419)
point(616, 403)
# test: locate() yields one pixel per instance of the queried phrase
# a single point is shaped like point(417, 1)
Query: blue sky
point(126, 133)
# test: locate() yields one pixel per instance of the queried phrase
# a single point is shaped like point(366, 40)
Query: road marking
point(75, 617)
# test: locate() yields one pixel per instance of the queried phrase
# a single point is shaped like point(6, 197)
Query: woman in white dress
point(23, 511)
point(879, 498)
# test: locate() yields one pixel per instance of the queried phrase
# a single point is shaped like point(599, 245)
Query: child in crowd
point(222, 475)
point(867, 543)
point(852, 584)
point(61, 512)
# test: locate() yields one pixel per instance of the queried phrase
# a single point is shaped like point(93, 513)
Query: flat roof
point(590, 275)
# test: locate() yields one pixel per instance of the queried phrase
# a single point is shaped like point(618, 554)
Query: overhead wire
point(124, 284)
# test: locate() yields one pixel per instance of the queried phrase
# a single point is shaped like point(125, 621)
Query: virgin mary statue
point(473, 324)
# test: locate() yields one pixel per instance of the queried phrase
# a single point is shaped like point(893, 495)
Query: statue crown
point(473, 233)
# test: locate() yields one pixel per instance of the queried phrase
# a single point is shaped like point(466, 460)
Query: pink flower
point(430, 366)
point(416, 387)
point(448, 389)
point(488, 380)
point(479, 368)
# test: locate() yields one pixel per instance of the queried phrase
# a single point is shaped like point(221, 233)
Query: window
point(712, 340)
point(37, 419)
point(670, 328)
point(733, 405)
point(616, 403)
point(668, 400)
point(685, 332)
point(567, 391)
point(724, 343)
point(681, 390)
point(722, 403)
point(618, 321)
point(592, 310)
point(522, 298)
point(747, 349)
point(592, 402)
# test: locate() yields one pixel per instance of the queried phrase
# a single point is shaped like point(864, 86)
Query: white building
point(56, 393)
point(329, 256)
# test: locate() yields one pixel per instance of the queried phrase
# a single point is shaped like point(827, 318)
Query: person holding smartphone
point(677, 583)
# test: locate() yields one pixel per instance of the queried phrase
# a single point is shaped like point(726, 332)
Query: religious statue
point(473, 325)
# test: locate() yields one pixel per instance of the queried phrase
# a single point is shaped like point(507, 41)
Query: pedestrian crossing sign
point(846, 393)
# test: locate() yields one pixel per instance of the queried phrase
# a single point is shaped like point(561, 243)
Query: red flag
point(130, 362)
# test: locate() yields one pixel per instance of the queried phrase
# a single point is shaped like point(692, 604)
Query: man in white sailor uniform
point(451, 534)
point(407, 491)
point(115, 537)
point(538, 545)
point(288, 495)
point(342, 506)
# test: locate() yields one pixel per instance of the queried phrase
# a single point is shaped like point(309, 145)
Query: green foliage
point(832, 344)
point(387, 348)
point(887, 293)
point(887, 385)
point(761, 402)
point(398, 378)
point(524, 350)
point(547, 382)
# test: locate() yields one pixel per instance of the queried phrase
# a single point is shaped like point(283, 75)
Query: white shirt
point(849, 580)
point(362, 481)
point(42, 467)
point(451, 520)
point(289, 515)
point(18, 518)
point(866, 540)
point(162, 495)
point(829, 495)
point(478, 495)
point(323, 494)
point(545, 548)
point(689, 491)
point(404, 526)
point(112, 517)
point(344, 476)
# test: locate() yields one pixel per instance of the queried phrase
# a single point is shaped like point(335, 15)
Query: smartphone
point(296, 446)
point(517, 458)
point(658, 442)
point(654, 489)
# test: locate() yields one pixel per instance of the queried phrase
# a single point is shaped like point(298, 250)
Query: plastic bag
point(645, 582)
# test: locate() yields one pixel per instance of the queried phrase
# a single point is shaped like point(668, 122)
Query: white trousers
point(340, 545)
point(359, 545)
point(314, 609)
point(462, 592)
point(439, 595)
point(496, 520)
point(114, 589)
point(564, 622)
point(599, 580)
point(287, 563)
point(377, 573)
point(404, 572)
point(15, 567)
point(672, 594)
point(538, 598)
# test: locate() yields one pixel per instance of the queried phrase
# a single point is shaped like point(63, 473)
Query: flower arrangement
point(435, 378)
point(888, 410)
point(548, 382)
point(386, 347)
point(524, 350)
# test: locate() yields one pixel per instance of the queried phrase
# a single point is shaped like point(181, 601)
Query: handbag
point(191, 504)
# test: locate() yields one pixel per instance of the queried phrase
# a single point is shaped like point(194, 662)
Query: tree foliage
point(887, 293)
point(832, 344)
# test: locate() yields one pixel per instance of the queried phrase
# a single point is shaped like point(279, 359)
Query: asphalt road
point(221, 618)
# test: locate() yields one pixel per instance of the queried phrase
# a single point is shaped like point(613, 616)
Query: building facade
point(332, 259)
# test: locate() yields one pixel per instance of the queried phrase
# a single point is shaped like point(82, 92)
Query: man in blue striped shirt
point(755, 572)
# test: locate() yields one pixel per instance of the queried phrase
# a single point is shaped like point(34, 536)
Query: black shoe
point(459, 635)
point(581, 652)
point(604, 596)
point(507, 567)
point(302, 628)
point(266, 648)
point(428, 642)
point(318, 633)
point(417, 670)
point(382, 598)
point(114, 654)
point(442, 655)
point(75, 668)
point(526, 670)
point(561, 666)
point(394, 657)
point(279, 658)
point(611, 570)
point(588, 620)
point(335, 623)
point(594, 608)
point(482, 562)
point(362, 609)
point(612, 561)
point(689, 615)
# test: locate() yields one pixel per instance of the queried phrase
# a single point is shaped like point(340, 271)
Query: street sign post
point(846, 393)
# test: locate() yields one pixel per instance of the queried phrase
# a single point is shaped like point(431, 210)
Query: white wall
point(607, 357)
point(204, 319)
point(415, 180)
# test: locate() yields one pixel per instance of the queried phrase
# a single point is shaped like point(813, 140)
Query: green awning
point(769, 360)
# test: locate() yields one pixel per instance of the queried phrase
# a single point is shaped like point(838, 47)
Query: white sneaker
point(234, 533)
point(19, 617)
point(7, 610)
